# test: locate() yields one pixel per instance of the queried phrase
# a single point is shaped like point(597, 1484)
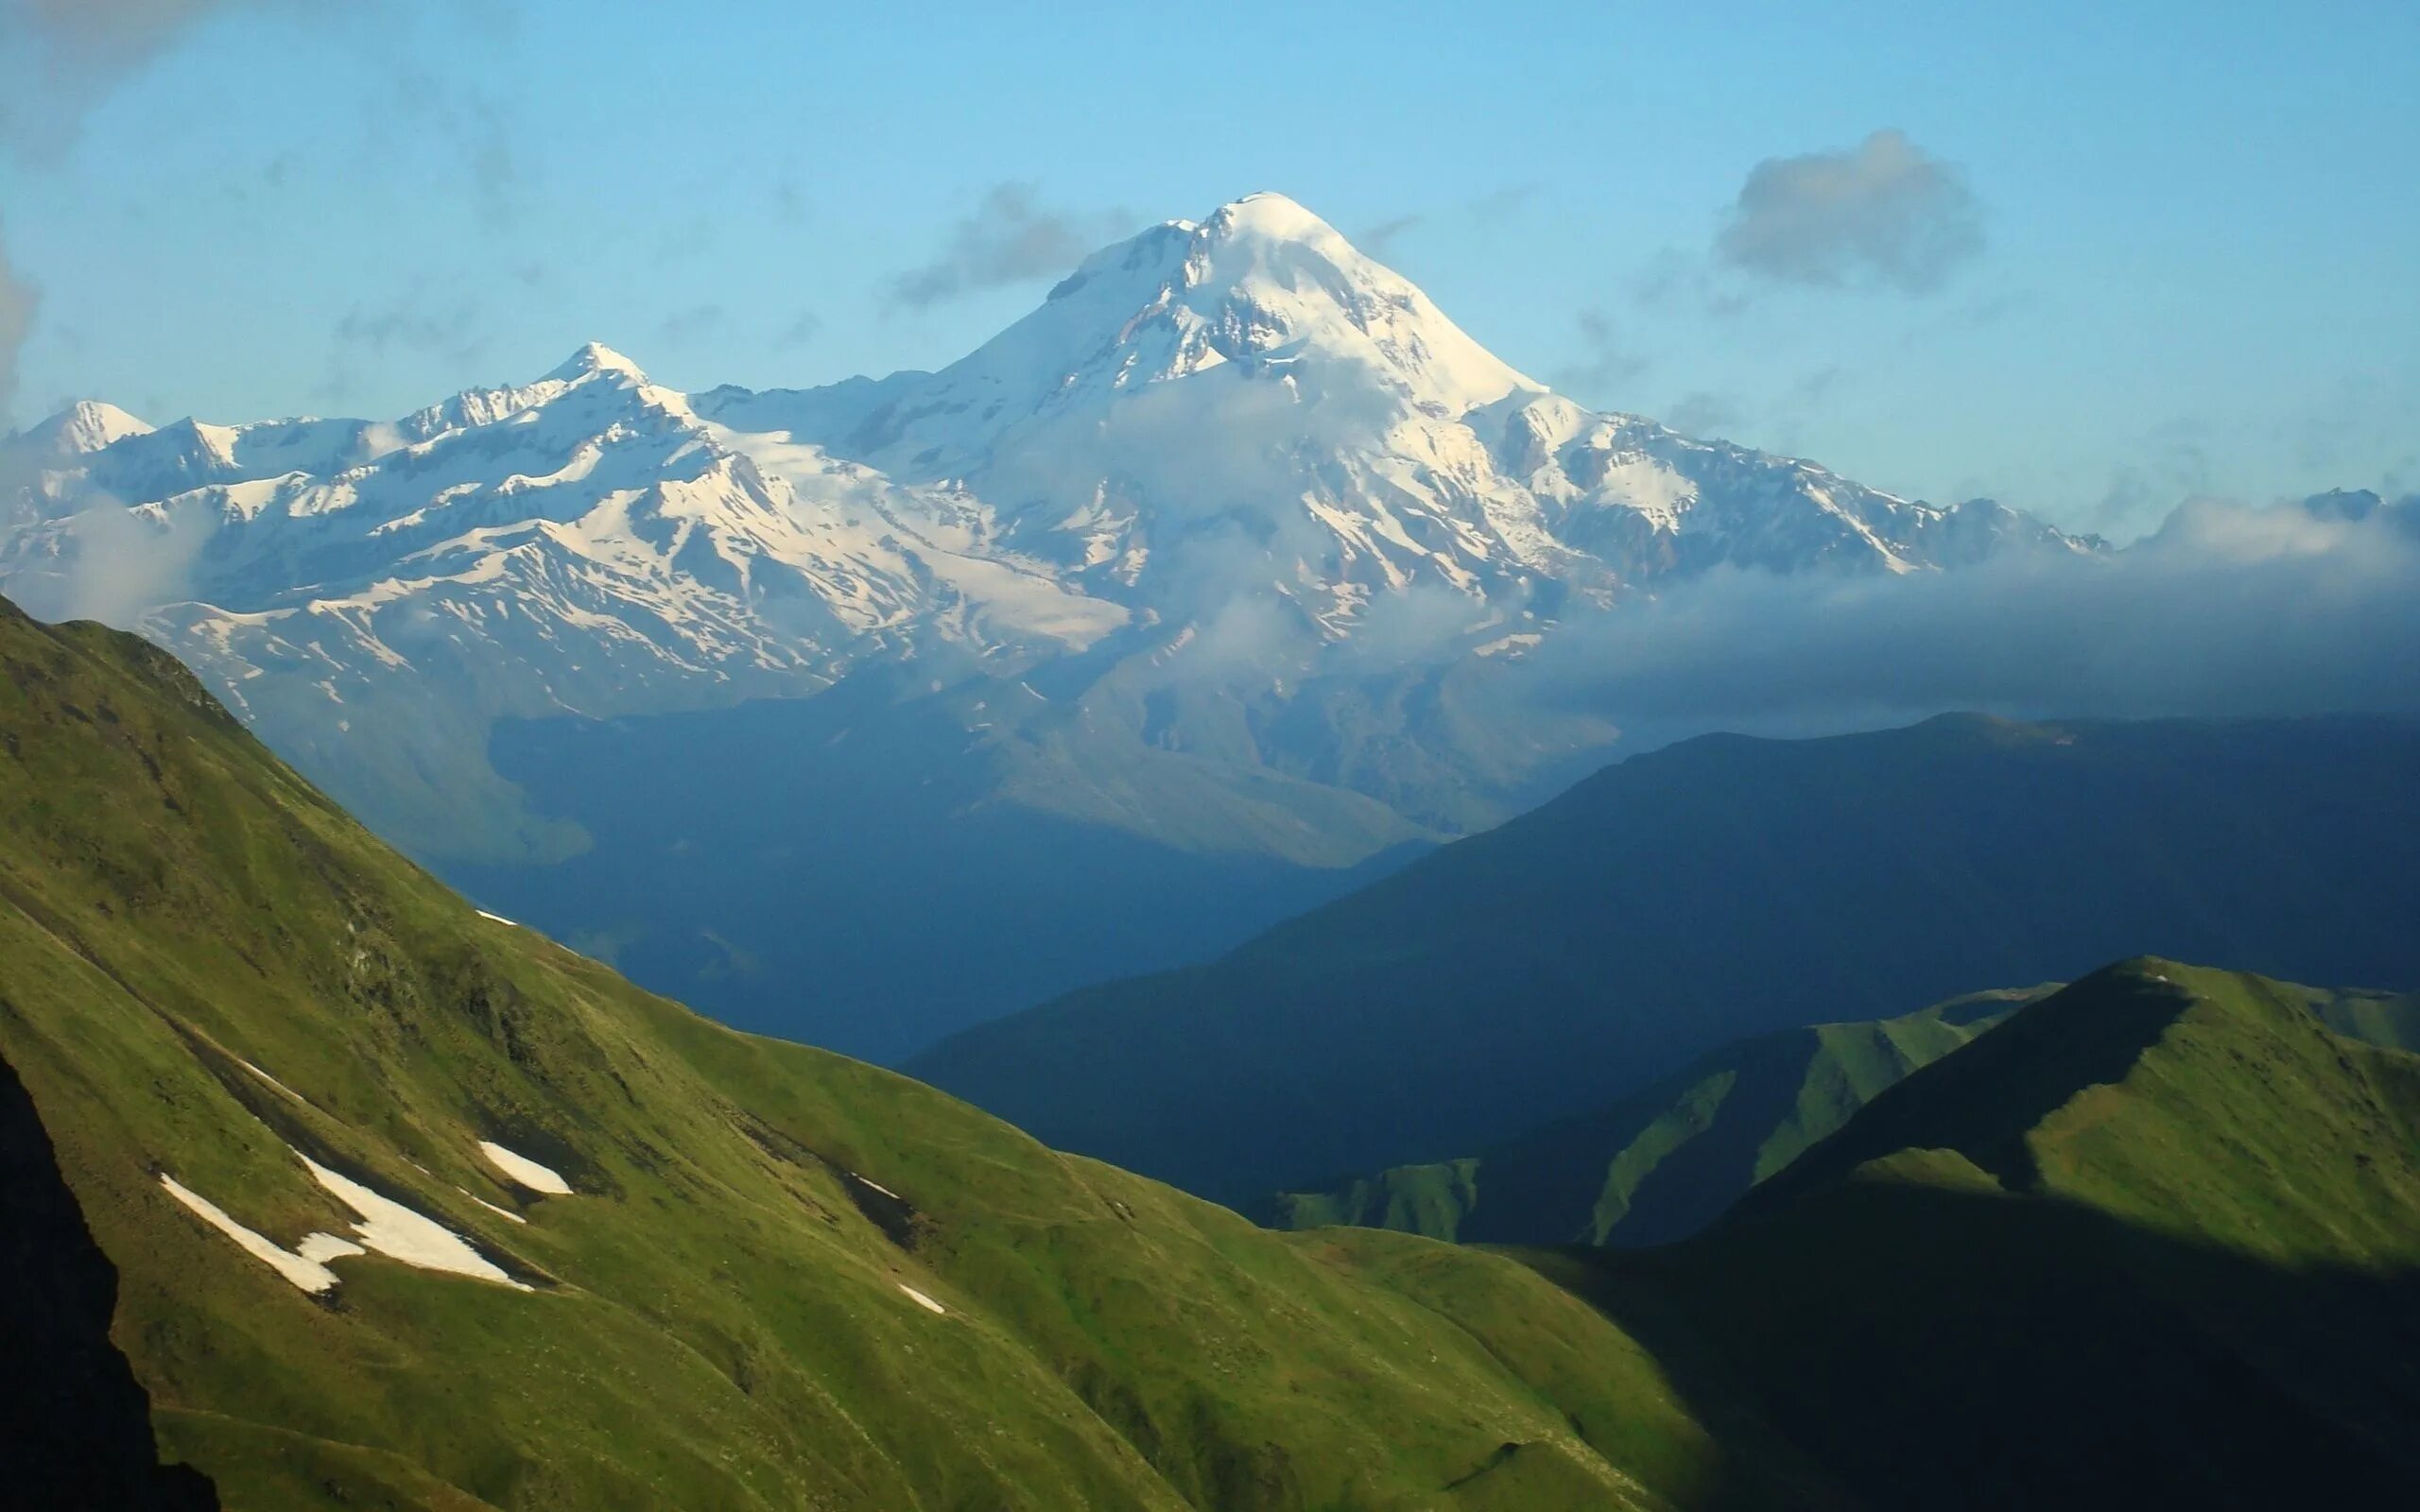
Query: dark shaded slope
point(74, 1426)
point(1716, 889)
point(1663, 1164)
point(2155, 1241)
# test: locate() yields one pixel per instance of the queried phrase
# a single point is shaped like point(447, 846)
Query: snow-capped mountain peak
point(1252, 389)
point(1262, 288)
point(593, 359)
point(86, 426)
point(1223, 462)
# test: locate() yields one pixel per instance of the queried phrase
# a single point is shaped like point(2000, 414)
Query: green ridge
point(1663, 1163)
point(716, 1316)
point(1707, 893)
point(2152, 1241)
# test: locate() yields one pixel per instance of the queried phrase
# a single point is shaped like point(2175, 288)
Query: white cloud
point(18, 303)
point(1008, 238)
point(2225, 611)
point(1884, 212)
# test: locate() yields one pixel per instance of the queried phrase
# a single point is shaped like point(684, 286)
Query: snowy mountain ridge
point(1219, 465)
point(1366, 443)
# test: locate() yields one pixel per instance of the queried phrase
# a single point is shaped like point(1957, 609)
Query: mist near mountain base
point(113, 564)
point(2227, 610)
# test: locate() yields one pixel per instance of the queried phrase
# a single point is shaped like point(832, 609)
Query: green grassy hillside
point(1666, 1164)
point(1715, 890)
point(2153, 1242)
point(1662, 1164)
point(778, 1279)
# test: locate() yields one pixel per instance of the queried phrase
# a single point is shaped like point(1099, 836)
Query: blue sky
point(2176, 246)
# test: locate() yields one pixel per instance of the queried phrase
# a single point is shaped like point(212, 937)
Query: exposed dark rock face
point(75, 1425)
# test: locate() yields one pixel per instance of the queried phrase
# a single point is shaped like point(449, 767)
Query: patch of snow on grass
point(325, 1248)
point(399, 1233)
point(524, 1170)
point(879, 1187)
point(924, 1301)
point(304, 1270)
point(271, 1080)
point(496, 918)
point(501, 1212)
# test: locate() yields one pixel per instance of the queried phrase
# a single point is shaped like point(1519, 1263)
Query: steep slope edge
point(2153, 1242)
point(412, 1208)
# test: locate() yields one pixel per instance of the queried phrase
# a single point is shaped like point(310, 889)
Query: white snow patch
point(878, 1187)
point(304, 1270)
point(271, 1080)
point(501, 1212)
point(1512, 645)
point(496, 918)
point(924, 1301)
point(524, 1170)
point(325, 1248)
point(399, 1233)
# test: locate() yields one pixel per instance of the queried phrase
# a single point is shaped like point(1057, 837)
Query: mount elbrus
point(1215, 574)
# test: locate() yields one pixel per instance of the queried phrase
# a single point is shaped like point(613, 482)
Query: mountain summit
point(1262, 292)
point(86, 426)
point(1234, 546)
point(1250, 398)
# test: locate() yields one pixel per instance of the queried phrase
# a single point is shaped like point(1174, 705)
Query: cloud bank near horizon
point(2228, 611)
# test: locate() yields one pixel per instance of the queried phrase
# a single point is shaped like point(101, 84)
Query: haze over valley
point(1231, 575)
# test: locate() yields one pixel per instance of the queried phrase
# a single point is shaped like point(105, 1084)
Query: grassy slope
point(2153, 1242)
point(1662, 1164)
point(717, 1319)
point(1721, 888)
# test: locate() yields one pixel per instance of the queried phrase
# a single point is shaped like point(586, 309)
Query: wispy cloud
point(1702, 413)
point(1505, 201)
point(802, 328)
point(1379, 241)
point(691, 323)
point(1883, 214)
point(58, 57)
point(2228, 609)
point(18, 301)
point(1009, 237)
point(1606, 363)
point(423, 318)
point(2169, 462)
point(789, 196)
point(423, 104)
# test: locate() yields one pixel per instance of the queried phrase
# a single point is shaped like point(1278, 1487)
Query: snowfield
point(525, 1171)
point(307, 1270)
point(390, 1228)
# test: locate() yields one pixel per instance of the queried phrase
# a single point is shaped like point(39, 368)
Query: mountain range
point(1218, 577)
point(1666, 1161)
point(1714, 890)
point(1665, 1164)
point(347, 1194)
